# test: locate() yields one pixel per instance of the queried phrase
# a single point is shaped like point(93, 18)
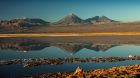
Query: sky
point(53, 10)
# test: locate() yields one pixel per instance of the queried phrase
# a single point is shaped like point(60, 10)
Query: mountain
point(23, 22)
point(17, 25)
point(99, 20)
point(71, 19)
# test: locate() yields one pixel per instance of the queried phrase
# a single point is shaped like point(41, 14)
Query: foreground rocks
point(114, 72)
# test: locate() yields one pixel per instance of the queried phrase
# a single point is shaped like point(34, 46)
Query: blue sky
point(53, 10)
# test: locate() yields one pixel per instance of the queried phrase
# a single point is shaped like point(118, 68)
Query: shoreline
point(58, 61)
point(71, 34)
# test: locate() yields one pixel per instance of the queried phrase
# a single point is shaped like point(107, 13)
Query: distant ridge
point(23, 22)
point(19, 24)
point(99, 20)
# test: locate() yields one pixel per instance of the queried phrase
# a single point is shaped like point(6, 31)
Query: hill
point(99, 20)
point(71, 19)
point(20, 24)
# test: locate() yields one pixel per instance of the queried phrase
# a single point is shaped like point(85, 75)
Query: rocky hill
point(71, 19)
point(99, 20)
point(17, 25)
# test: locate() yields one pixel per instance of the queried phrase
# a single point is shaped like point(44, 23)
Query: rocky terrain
point(114, 72)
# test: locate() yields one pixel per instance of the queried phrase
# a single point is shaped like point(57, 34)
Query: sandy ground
point(73, 34)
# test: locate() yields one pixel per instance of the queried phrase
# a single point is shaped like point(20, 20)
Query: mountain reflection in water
point(25, 44)
point(70, 47)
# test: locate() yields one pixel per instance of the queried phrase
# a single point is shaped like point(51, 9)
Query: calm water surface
point(55, 52)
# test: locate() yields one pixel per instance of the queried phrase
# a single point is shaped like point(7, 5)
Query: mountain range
point(73, 19)
point(22, 25)
point(70, 19)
